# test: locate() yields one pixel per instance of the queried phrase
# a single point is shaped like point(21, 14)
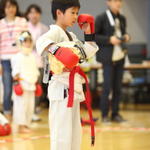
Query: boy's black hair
point(12, 2)
point(33, 6)
point(62, 5)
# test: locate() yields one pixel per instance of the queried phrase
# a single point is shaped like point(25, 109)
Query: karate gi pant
point(23, 108)
point(65, 125)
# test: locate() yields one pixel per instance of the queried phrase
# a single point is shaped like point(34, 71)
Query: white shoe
point(36, 118)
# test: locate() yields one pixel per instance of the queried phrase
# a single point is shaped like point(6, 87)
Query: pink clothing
point(36, 31)
point(9, 32)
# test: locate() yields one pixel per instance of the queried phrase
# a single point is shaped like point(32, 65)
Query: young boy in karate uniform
point(65, 125)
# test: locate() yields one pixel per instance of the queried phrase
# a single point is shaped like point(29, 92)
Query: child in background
point(37, 28)
point(25, 72)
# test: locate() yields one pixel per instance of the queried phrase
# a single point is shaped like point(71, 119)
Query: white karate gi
point(65, 126)
point(3, 119)
point(23, 106)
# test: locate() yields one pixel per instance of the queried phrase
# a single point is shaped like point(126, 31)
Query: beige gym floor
point(131, 135)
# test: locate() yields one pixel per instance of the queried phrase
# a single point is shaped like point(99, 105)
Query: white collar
point(55, 26)
point(110, 17)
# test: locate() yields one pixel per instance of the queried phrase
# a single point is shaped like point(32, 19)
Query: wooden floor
point(131, 135)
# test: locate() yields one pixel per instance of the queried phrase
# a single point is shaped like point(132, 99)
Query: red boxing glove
point(86, 18)
point(38, 91)
point(18, 89)
point(2, 130)
point(65, 56)
point(7, 128)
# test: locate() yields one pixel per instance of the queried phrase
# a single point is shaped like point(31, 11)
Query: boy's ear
point(58, 12)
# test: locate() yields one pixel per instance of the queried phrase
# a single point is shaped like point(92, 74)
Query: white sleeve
point(15, 65)
point(3, 119)
point(90, 48)
point(52, 36)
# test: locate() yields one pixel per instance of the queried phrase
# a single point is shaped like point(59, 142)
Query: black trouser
point(112, 74)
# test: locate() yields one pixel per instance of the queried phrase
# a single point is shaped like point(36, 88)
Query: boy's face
point(34, 16)
point(114, 5)
point(70, 16)
point(27, 47)
point(27, 43)
point(10, 10)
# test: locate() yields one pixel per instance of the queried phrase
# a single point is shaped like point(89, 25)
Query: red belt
point(87, 97)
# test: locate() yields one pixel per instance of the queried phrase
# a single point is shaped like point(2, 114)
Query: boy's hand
point(86, 28)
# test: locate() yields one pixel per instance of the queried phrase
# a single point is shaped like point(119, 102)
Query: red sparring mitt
point(18, 88)
point(38, 91)
point(86, 18)
point(5, 130)
point(2, 130)
point(65, 56)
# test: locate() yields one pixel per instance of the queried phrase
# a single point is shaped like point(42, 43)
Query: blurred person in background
point(10, 27)
point(36, 28)
point(110, 36)
point(1, 89)
point(25, 76)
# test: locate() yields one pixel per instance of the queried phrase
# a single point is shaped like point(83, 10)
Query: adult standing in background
point(10, 27)
point(110, 36)
point(36, 28)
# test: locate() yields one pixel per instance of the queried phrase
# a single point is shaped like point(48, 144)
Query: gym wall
point(136, 12)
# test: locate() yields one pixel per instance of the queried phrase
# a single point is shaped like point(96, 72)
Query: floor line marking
point(85, 130)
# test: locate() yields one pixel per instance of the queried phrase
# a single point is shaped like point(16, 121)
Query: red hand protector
point(2, 130)
point(38, 91)
point(18, 89)
point(67, 57)
point(86, 18)
point(7, 128)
